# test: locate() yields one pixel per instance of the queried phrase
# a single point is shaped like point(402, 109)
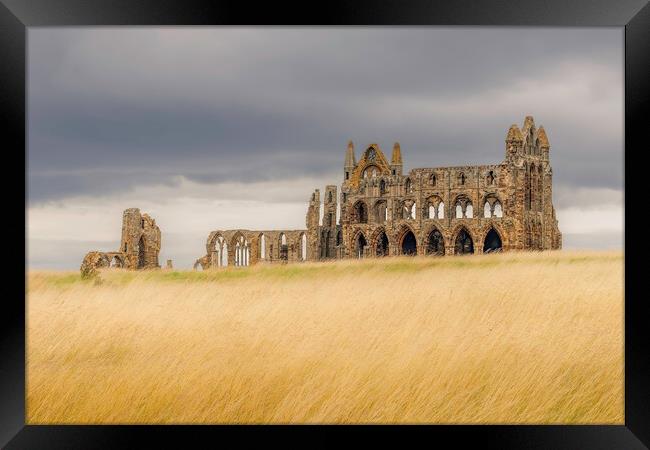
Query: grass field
point(511, 338)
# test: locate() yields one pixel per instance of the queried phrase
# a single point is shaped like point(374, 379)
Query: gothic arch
point(380, 211)
point(283, 247)
point(408, 244)
point(359, 244)
point(304, 246)
point(141, 252)
point(408, 187)
point(432, 207)
point(262, 246)
point(462, 207)
point(379, 242)
point(435, 242)
point(492, 241)
point(463, 242)
point(491, 206)
point(360, 212)
point(117, 261)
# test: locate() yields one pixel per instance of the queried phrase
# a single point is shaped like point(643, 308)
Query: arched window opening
point(540, 187)
point(242, 252)
point(413, 211)
point(490, 178)
point(382, 245)
point(469, 211)
point(433, 180)
point(441, 210)
point(407, 209)
point(361, 212)
point(435, 243)
point(432, 212)
point(370, 172)
point(461, 178)
point(116, 262)
point(262, 247)
point(487, 210)
point(407, 186)
point(459, 210)
point(360, 247)
point(380, 211)
point(141, 254)
point(224, 255)
point(409, 244)
point(382, 186)
point(303, 246)
point(498, 211)
point(464, 244)
point(492, 242)
point(284, 250)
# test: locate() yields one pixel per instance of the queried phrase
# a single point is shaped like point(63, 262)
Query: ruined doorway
point(409, 244)
point(361, 244)
point(464, 243)
point(382, 245)
point(492, 242)
point(435, 243)
point(141, 259)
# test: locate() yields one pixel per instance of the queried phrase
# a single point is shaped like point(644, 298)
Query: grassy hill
point(504, 338)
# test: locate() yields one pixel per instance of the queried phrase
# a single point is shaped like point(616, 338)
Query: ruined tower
point(313, 225)
point(139, 246)
point(396, 160)
point(328, 230)
point(350, 161)
point(140, 240)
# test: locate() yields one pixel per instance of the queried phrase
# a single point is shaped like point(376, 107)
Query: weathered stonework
point(428, 211)
point(139, 246)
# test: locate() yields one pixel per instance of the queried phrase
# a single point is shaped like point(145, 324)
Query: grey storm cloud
point(112, 108)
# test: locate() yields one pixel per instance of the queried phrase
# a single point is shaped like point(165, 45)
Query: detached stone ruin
point(139, 246)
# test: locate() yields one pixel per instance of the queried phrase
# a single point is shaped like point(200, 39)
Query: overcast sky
point(210, 128)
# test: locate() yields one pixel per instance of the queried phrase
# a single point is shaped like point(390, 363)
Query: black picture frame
point(634, 15)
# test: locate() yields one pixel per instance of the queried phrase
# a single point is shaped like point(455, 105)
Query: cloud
point(233, 127)
point(242, 103)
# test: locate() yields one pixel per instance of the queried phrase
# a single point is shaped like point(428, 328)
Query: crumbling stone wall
point(427, 211)
point(511, 200)
point(139, 246)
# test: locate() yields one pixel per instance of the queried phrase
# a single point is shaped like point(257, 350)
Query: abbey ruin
point(139, 246)
point(427, 211)
point(381, 211)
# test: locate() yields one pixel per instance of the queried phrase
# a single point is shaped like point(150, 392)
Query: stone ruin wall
point(139, 246)
point(427, 211)
point(386, 212)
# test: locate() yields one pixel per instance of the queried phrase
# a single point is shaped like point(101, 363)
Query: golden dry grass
point(512, 338)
